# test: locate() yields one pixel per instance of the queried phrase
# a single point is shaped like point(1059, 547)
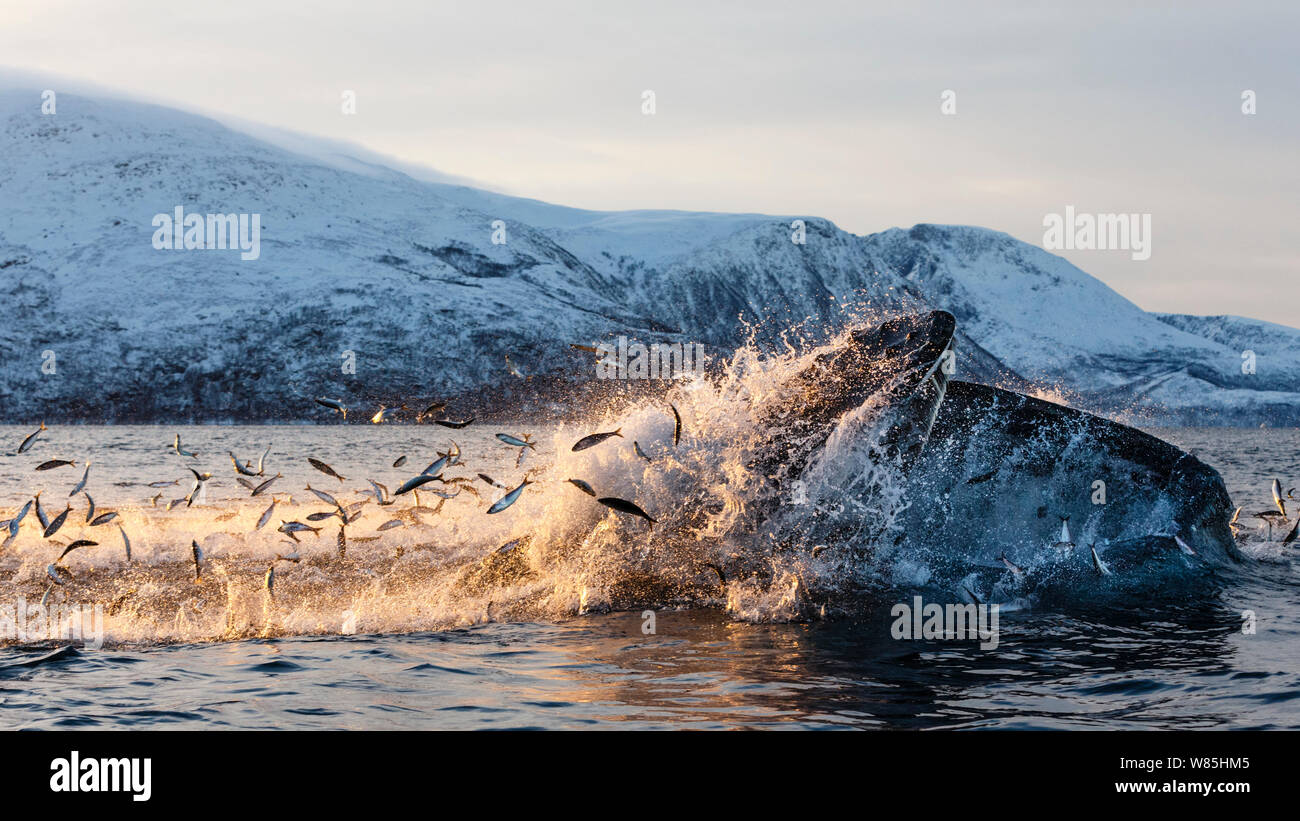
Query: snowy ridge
point(400, 268)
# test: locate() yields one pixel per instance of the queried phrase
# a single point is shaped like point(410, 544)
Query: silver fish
point(324, 468)
point(82, 484)
point(104, 518)
point(412, 484)
point(436, 467)
point(90, 509)
point(31, 439)
point(390, 524)
point(57, 523)
point(491, 481)
point(594, 439)
point(401, 460)
point(198, 559)
point(509, 499)
point(78, 543)
point(516, 442)
point(1097, 563)
point(180, 451)
point(334, 405)
point(58, 463)
point(677, 425)
point(269, 580)
point(1277, 496)
point(239, 468)
point(637, 447)
point(583, 486)
point(266, 516)
point(257, 491)
point(40, 514)
point(381, 493)
point(125, 542)
point(324, 497)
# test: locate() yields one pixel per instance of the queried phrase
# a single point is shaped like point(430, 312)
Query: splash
point(765, 541)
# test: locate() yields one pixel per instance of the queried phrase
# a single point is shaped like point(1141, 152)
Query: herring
point(334, 405)
point(591, 440)
point(31, 439)
point(324, 468)
point(510, 498)
point(56, 463)
point(624, 506)
point(180, 451)
point(583, 486)
point(266, 515)
point(80, 485)
point(516, 442)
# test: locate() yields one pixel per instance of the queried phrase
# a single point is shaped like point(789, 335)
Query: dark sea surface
point(1180, 664)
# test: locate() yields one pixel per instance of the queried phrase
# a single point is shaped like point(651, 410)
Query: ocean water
point(393, 633)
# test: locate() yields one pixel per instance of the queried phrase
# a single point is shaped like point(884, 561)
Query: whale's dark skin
point(898, 363)
point(1044, 460)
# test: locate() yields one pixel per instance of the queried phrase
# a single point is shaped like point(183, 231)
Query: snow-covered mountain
point(402, 270)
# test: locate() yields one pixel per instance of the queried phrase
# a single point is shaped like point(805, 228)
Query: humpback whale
point(964, 483)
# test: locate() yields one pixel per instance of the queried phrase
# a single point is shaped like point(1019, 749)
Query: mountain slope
point(404, 274)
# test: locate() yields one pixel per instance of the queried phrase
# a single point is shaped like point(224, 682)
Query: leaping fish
point(324, 497)
point(1064, 540)
point(56, 463)
point(429, 411)
point(58, 522)
point(82, 484)
point(78, 543)
point(516, 442)
point(1277, 497)
point(240, 468)
point(198, 559)
point(334, 405)
point(384, 414)
point(180, 451)
point(583, 486)
point(40, 514)
point(266, 515)
point(591, 440)
point(126, 543)
point(31, 439)
point(510, 498)
point(493, 482)
point(677, 425)
point(447, 423)
point(412, 484)
point(1291, 534)
point(258, 490)
point(1015, 571)
point(1097, 563)
point(624, 506)
point(637, 447)
point(324, 468)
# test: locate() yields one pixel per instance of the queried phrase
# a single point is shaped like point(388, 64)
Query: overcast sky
point(807, 108)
